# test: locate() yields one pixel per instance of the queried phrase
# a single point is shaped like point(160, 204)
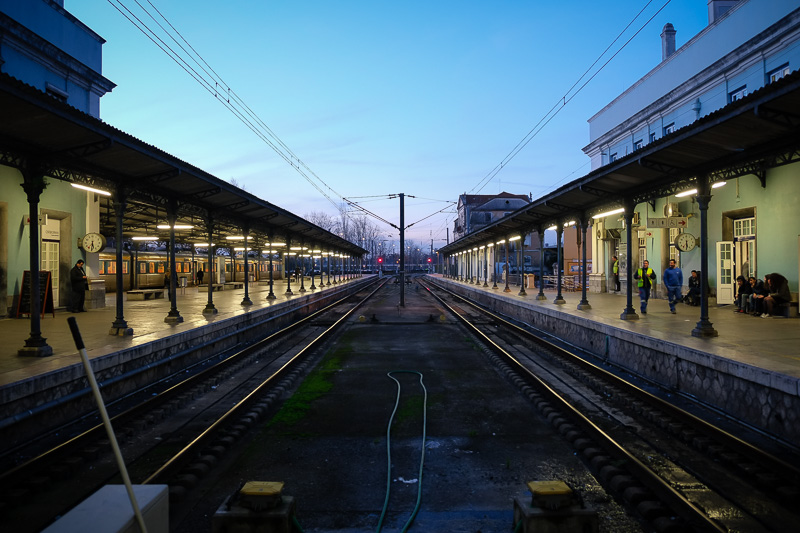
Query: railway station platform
point(28, 382)
point(750, 370)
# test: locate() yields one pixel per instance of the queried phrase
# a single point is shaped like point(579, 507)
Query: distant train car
point(149, 272)
point(259, 270)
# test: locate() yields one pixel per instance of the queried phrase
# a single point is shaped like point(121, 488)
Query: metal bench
point(214, 287)
point(234, 285)
point(146, 294)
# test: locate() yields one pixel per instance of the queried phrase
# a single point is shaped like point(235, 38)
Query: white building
point(43, 45)
point(753, 220)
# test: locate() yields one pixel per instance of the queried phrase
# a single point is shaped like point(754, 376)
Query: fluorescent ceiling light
point(609, 213)
point(690, 192)
point(90, 189)
point(202, 244)
point(177, 226)
point(514, 238)
point(144, 238)
point(235, 237)
point(552, 228)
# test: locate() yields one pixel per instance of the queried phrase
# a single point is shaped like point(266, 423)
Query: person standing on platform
point(615, 270)
point(79, 286)
point(200, 274)
point(673, 281)
point(646, 277)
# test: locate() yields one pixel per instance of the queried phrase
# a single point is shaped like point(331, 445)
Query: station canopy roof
point(747, 136)
point(70, 145)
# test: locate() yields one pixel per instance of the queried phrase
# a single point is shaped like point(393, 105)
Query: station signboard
point(668, 222)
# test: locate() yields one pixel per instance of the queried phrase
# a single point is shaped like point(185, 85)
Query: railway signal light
point(380, 260)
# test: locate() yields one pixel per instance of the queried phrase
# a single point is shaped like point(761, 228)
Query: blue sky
point(421, 98)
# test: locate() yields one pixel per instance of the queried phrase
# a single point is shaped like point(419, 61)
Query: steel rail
point(174, 464)
point(693, 515)
point(754, 454)
point(165, 395)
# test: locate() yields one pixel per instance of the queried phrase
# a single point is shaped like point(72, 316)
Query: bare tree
point(323, 220)
point(237, 183)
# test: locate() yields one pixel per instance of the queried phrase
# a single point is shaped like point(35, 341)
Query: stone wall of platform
point(47, 399)
point(762, 398)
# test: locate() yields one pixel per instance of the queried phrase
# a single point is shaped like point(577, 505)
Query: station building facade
point(476, 211)
point(754, 223)
point(46, 47)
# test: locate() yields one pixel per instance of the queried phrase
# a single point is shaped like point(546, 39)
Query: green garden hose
point(389, 449)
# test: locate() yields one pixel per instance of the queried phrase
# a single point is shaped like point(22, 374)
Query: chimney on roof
point(717, 8)
point(667, 41)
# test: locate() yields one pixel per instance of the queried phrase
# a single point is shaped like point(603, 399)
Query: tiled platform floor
point(772, 344)
point(145, 317)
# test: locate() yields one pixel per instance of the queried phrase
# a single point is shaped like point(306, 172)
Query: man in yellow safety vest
point(646, 277)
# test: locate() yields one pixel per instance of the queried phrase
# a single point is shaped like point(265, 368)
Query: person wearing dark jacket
point(743, 292)
point(673, 281)
point(760, 291)
point(693, 296)
point(646, 277)
point(79, 285)
point(778, 293)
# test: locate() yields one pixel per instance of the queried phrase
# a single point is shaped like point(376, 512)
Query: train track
point(674, 469)
point(176, 434)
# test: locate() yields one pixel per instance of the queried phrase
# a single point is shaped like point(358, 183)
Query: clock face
point(93, 242)
point(685, 242)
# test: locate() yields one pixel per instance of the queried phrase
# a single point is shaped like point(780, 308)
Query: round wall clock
point(93, 242)
point(685, 242)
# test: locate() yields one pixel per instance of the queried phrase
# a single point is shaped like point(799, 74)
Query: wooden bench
point(234, 285)
point(787, 310)
point(214, 287)
point(146, 294)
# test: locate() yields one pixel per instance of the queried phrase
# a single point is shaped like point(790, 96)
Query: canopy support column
point(120, 327)
point(704, 327)
point(584, 303)
point(33, 183)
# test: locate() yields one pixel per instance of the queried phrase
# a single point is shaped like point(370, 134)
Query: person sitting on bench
point(778, 293)
point(693, 296)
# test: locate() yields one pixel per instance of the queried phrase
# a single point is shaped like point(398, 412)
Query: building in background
point(476, 211)
point(746, 46)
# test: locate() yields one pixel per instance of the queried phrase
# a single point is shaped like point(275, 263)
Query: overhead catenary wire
point(212, 82)
point(566, 98)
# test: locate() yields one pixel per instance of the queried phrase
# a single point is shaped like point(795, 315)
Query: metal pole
point(402, 251)
point(629, 313)
point(76, 336)
point(209, 308)
point(704, 327)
